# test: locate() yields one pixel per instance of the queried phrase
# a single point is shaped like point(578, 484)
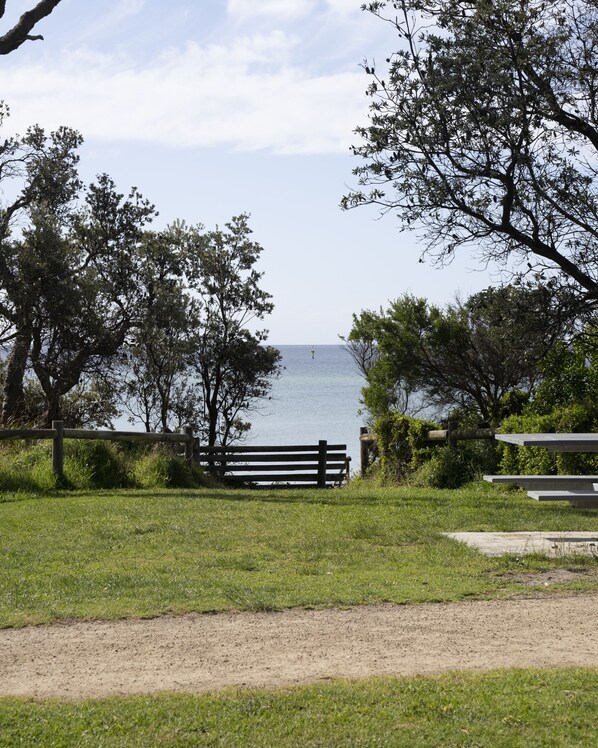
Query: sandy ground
point(196, 653)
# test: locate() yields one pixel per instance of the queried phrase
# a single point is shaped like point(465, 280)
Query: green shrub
point(453, 468)
point(407, 456)
point(94, 464)
point(402, 445)
point(575, 418)
point(446, 468)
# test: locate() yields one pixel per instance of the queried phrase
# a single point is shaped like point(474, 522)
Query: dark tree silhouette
point(21, 31)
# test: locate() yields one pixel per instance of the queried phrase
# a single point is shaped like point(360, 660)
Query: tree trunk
point(13, 399)
point(53, 410)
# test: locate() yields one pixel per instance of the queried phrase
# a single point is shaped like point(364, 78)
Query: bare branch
point(20, 33)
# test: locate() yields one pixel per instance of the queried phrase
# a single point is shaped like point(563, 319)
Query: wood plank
point(292, 457)
point(26, 434)
point(238, 468)
point(141, 436)
point(278, 448)
point(283, 478)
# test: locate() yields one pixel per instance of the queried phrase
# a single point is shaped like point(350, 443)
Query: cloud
point(245, 96)
point(243, 10)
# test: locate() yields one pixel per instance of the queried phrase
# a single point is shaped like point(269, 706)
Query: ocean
point(316, 397)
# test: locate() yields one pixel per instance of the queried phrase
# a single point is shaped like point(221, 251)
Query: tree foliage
point(88, 295)
point(193, 358)
point(471, 354)
point(483, 131)
point(231, 361)
point(158, 381)
point(68, 270)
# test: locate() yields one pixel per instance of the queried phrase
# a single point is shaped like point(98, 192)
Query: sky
point(214, 108)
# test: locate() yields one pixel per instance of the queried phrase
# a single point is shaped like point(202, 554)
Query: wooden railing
point(58, 434)
point(320, 465)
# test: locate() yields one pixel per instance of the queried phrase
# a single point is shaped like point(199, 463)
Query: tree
point(192, 357)
point(232, 364)
point(20, 32)
point(89, 300)
point(471, 355)
point(569, 376)
point(159, 389)
point(46, 168)
point(485, 131)
point(68, 281)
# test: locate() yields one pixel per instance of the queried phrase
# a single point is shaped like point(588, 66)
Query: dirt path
point(195, 653)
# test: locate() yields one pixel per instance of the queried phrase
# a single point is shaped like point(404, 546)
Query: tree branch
point(20, 33)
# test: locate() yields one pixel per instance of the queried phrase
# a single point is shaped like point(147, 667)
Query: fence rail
point(58, 434)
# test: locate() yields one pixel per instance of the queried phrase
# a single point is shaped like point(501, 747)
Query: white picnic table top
point(554, 442)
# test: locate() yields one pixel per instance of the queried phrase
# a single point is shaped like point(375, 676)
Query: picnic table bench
point(579, 490)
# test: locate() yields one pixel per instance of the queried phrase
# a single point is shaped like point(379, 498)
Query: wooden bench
point(321, 465)
point(578, 490)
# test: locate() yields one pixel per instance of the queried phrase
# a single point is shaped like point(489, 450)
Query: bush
point(453, 468)
point(94, 464)
point(407, 456)
point(576, 418)
point(402, 445)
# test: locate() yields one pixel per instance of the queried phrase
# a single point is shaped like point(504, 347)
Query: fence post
point(451, 434)
point(58, 448)
point(322, 449)
point(364, 451)
point(188, 430)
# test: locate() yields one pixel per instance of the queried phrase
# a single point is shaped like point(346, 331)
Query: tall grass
point(92, 465)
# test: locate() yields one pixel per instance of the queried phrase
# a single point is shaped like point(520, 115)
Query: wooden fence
point(321, 465)
point(58, 434)
point(450, 436)
point(318, 465)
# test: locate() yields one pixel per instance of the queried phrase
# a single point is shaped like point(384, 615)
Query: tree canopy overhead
point(21, 31)
point(484, 130)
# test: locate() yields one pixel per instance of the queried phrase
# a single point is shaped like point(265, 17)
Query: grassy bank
point(512, 708)
point(143, 553)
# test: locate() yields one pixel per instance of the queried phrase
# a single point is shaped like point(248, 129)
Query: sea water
point(316, 397)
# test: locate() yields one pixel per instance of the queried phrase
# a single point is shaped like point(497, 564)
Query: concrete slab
point(551, 544)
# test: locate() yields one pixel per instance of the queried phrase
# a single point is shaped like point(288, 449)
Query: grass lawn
point(499, 709)
point(142, 553)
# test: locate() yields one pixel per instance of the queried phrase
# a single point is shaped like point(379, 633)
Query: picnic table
point(579, 490)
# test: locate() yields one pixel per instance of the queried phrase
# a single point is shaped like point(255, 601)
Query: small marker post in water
point(313, 352)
